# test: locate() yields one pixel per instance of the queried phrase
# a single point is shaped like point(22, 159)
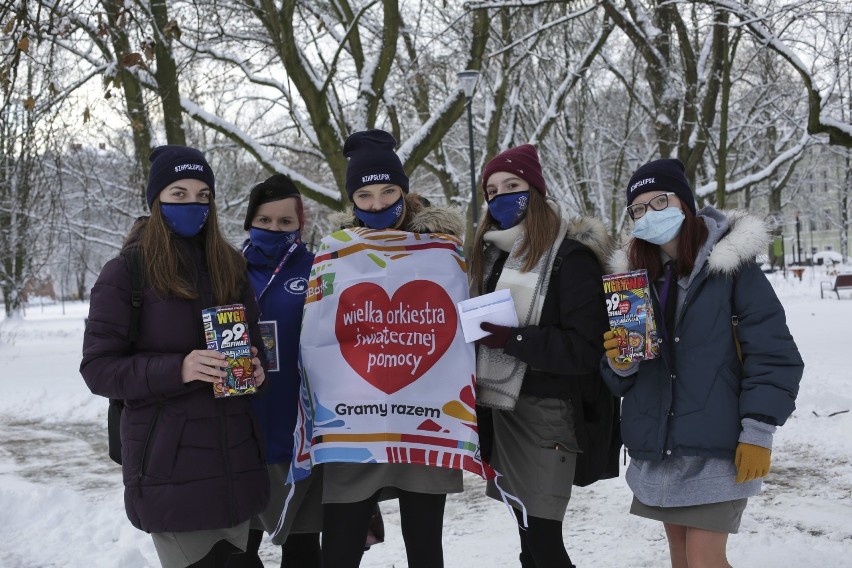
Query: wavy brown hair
point(542, 226)
point(168, 271)
point(693, 233)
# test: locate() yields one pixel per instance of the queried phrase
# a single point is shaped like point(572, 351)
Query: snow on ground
point(61, 498)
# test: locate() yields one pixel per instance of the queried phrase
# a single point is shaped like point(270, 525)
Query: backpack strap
point(133, 258)
point(561, 252)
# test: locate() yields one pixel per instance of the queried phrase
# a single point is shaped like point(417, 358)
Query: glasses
point(657, 203)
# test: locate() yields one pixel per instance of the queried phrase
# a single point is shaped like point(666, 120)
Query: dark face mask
point(272, 244)
point(509, 209)
point(383, 219)
point(185, 219)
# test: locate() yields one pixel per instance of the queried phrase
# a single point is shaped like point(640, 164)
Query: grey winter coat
point(691, 400)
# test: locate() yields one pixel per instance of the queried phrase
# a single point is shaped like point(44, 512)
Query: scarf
point(499, 376)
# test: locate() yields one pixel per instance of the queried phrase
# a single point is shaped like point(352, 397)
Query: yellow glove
point(611, 347)
point(752, 461)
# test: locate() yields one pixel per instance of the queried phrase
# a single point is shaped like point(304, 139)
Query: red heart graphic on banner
point(391, 342)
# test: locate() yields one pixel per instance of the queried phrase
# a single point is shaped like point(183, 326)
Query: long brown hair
point(542, 226)
point(166, 270)
point(693, 233)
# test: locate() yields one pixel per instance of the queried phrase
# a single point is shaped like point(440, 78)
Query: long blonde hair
point(168, 272)
point(541, 228)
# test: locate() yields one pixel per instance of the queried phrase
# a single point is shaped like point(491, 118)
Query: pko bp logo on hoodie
point(296, 285)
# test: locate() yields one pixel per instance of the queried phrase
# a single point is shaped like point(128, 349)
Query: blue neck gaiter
point(185, 219)
point(509, 209)
point(383, 219)
point(272, 244)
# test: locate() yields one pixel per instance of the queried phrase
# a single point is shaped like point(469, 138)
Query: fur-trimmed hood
point(734, 238)
point(592, 233)
point(423, 219)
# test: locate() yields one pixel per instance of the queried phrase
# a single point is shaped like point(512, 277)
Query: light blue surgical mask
point(659, 227)
point(185, 219)
point(272, 244)
point(383, 219)
point(509, 209)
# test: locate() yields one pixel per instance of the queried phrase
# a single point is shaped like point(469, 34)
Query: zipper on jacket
point(146, 448)
point(226, 455)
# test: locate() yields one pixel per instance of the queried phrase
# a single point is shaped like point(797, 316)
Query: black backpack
point(133, 259)
point(597, 417)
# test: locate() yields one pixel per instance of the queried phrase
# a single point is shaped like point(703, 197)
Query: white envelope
point(496, 307)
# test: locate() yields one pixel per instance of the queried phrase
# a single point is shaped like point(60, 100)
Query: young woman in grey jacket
point(698, 420)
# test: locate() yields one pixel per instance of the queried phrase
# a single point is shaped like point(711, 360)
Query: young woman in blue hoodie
point(278, 268)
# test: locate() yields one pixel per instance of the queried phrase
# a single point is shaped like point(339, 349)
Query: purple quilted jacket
point(190, 461)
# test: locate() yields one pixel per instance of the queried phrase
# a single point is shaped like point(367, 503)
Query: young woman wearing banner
point(698, 421)
point(529, 378)
point(193, 465)
point(378, 188)
point(278, 268)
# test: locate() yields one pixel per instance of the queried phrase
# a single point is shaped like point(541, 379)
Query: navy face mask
point(272, 244)
point(383, 219)
point(185, 219)
point(509, 209)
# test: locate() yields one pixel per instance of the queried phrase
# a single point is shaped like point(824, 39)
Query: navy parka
point(691, 400)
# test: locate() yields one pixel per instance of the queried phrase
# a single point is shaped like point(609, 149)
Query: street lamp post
point(467, 83)
point(798, 239)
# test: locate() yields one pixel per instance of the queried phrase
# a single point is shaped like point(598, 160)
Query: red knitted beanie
point(521, 161)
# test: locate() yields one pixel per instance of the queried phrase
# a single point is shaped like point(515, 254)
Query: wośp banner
point(386, 374)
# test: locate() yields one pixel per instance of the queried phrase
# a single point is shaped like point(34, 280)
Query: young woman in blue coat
point(193, 466)
point(278, 268)
point(697, 421)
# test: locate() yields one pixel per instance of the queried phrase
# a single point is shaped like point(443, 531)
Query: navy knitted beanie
point(522, 161)
point(661, 175)
point(173, 162)
point(372, 159)
point(274, 188)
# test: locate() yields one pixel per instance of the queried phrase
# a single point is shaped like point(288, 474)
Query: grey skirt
point(180, 549)
point(724, 517)
point(356, 482)
point(303, 513)
point(535, 451)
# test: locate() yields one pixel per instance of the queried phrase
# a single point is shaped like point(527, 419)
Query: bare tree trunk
point(166, 74)
point(137, 113)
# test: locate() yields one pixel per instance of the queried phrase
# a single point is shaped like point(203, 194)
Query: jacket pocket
point(162, 443)
point(556, 469)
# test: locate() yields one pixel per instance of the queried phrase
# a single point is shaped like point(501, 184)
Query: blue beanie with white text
point(372, 159)
point(174, 162)
point(666, 175)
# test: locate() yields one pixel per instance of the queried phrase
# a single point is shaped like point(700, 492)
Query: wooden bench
point(797, 271)
point(841, 282)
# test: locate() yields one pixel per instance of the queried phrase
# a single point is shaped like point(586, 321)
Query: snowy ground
point(61, 498)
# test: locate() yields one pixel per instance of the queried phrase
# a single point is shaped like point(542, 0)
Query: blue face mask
point(659, 227)
point(383, 219)
point(185, 219)
point(509, 209)
point(272, 244)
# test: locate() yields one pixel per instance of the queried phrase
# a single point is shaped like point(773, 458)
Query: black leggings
point(217, 557)
point(345, 526)
point(541, 543)
point(298, 551)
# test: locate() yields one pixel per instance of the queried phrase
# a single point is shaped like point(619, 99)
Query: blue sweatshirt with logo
point(281, 297)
